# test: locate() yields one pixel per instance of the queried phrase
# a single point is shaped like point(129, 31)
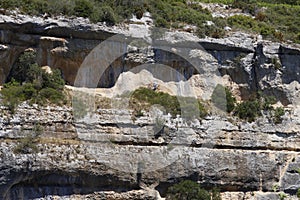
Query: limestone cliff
point(111, 155)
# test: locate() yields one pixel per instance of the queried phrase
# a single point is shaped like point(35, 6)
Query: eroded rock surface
point(112, 155)
point(83, 157)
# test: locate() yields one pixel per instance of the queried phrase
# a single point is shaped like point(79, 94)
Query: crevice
point(42, 183)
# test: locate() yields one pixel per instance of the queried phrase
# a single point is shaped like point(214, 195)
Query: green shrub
point(248, 110)
point(53, 80)
point(26, 145)
point(103, 14)
point(298, 193)
point(210, 30)
point(12, 94)
point(190, 190)
point(53, 95)
point(278, 113)
point(251, 109)
point(282, 16)
point(282, 195)
point(266, 102)
point(8, 4)
point(20, 69)
point(242, 22)
point(83, 8)
point(276, 63)
point(161, 22)
point(32, 84)
point(187, 107)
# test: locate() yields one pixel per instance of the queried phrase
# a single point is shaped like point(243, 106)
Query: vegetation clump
point(28, 82)
point(28, 144)
point(190, 190)
point(187, 107)
point(277, 116)
point(277, 20)
point(251, 109)
point(247, 110)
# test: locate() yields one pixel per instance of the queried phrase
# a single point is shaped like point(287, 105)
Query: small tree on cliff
point(190, 190)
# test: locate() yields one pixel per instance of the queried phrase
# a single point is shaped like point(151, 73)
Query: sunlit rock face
point(112, 154)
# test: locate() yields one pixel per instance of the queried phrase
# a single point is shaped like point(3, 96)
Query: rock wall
point(62, 43)
point(113, 155)
point(84, 157)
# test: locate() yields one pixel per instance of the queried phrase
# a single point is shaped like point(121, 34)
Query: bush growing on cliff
point(187, 107)
point(277, 22)
point(20, 68)
point(248, 110)
point(29, 82)
point(12, 94)
point(277, 116)
point(251, 109)
point(26, 145)
point(190, 190)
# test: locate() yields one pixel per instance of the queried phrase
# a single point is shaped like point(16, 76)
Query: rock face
point(109, 154)
point(84, 157)
point(64, 43)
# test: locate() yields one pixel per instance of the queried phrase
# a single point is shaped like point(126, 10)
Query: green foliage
point(248, 6)
point(22, 65)
point(210, 30)
point(250, 24)
point(190, 190)
point(223, 98)
point(266, 102)
point(215, 194)
point(165, 12)
point(279, 21)
point(277, 116)
point(275, 187)
point(251, 109)
point(298, 193)
point(12, 94)
point(26, 145)
point(285, 19)
point(83, 8)
point(276, 63)
point(106, 14)
point(218, 1)
point(248, 110)
point(187, 107)
point(282, 196)
point(29, 82)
